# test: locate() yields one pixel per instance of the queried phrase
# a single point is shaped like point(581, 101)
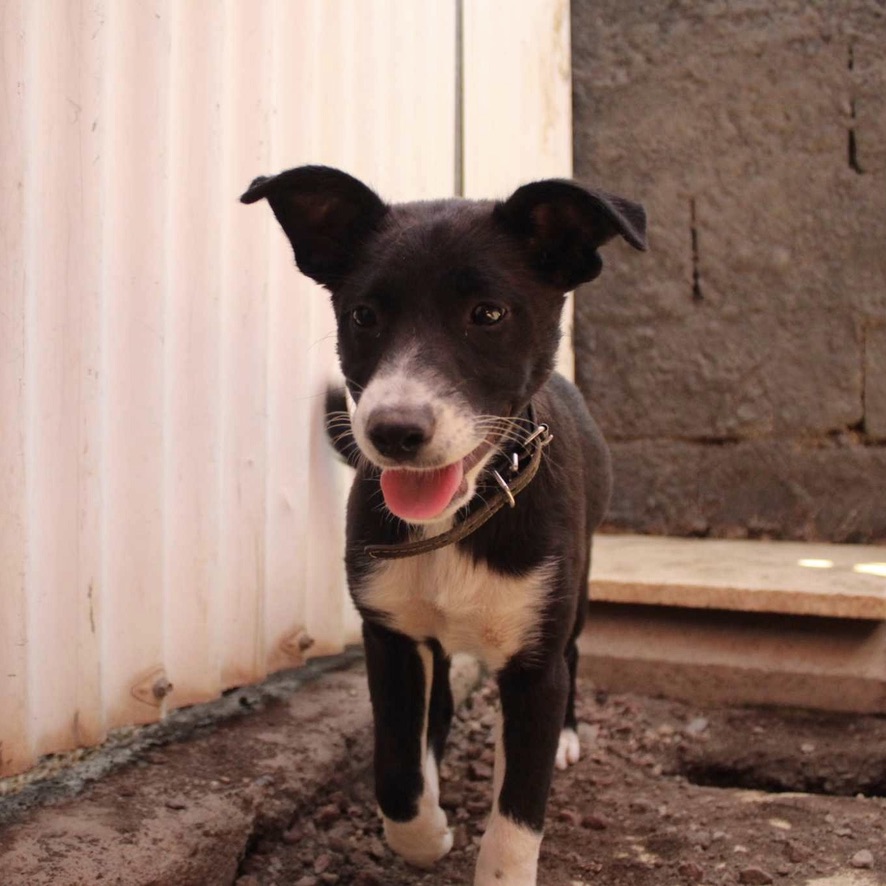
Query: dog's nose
point(400, 433)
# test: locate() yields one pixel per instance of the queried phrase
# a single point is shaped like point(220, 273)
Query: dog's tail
point(338, 426)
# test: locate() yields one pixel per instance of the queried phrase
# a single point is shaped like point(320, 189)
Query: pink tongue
point(420, 495)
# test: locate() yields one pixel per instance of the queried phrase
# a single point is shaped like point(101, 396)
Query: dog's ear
point(561, 225)
point(326, 215)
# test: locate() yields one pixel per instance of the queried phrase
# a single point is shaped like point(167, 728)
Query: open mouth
point(414, 494)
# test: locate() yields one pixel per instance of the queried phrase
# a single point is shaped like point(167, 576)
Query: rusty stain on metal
point(162, 687)
point(152, 687)
point(296, 644)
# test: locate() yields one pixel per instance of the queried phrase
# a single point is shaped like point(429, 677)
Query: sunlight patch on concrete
point(870, 569)
point(849, 878)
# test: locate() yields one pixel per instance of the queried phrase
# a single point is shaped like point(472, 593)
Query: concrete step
point(739, 622)
point(831, 581)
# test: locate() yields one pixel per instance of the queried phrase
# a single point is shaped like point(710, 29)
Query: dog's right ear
point(326, 214)
point(561, 226)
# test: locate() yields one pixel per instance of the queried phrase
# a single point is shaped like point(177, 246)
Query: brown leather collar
point(522, 465)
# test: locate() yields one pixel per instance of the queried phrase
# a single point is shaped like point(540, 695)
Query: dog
point(480, 475)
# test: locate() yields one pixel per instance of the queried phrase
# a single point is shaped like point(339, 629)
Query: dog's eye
point(364, 316)
point(487, 314)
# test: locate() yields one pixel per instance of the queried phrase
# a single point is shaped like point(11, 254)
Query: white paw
point(568, 749)
point(427, 838)
point(508, 854)
point(423, 840)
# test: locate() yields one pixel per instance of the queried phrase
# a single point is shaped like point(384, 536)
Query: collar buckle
point(539, 438)
point(512, 502)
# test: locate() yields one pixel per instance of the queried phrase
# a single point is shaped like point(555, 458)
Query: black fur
point(409, 279)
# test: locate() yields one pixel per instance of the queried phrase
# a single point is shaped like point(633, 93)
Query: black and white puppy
point(448, 323)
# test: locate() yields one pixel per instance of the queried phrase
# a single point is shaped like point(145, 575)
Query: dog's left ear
point(562, 225)
point(326, 214)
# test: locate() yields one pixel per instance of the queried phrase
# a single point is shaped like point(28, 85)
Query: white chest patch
point(464, 605)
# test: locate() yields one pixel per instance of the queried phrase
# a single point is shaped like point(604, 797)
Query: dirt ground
point(279, 793)
point(629, 814)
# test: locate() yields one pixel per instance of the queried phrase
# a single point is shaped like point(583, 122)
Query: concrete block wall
point(739, 368)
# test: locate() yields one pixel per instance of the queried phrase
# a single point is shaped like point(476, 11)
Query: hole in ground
point(831, 784)
point(780, 750)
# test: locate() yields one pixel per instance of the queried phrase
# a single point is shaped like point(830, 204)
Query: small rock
point(754, 877)
point(450, 799)
point(479, 771)
point(843, 832)
point(376, 849)
point(306, 880)
point(293, 836)
point(691, 871)
point(796, 853)
point(570, 816)
point(460, 837)
point(696, 726)
point(807, 748)
point(338, 841)
point(327, 815)
point(864, 858)
point(594, 822)
point(588, 733)
point(321, 863)
point(783, 869)
point(247, 880)
point(702, 839)
point(176, 804)
point(641, 805)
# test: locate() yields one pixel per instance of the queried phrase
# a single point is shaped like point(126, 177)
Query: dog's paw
point(422, 841)
point(508, 854)
point(568, 749)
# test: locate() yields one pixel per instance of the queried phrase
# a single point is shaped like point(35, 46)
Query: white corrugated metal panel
point(518, 98)
point(14, 733)
point(517, 104)
point(169, 510)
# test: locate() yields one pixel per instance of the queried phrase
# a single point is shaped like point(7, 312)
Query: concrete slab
point(833, 581)
point(737, 658)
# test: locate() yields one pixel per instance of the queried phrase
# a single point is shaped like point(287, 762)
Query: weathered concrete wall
point(739, 368)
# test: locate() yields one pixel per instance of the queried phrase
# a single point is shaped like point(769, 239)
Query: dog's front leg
point(533, 704)
point(406, 783)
